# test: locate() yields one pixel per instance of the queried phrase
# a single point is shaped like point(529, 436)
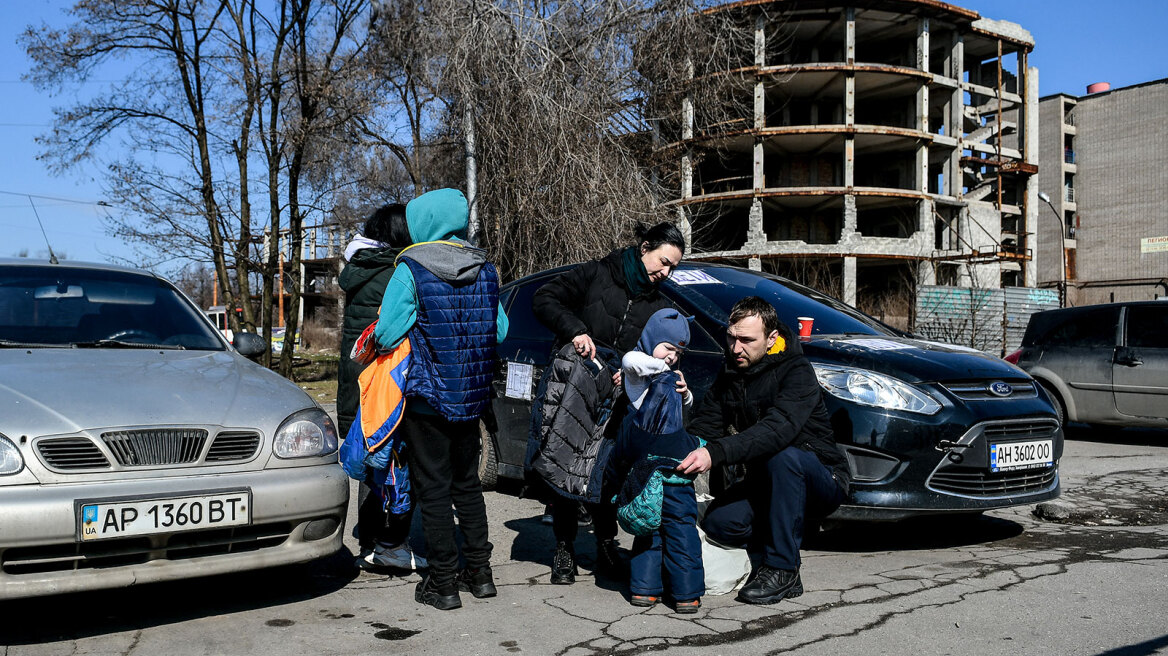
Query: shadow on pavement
point(101, 612)
point(930, 532)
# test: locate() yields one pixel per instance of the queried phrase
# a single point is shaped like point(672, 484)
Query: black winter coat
point(773, 405)
point(363, 280)
point(566, 447)
point(593, 298)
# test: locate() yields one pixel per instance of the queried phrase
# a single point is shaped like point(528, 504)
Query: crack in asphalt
point(1039, 548)
point(133, 643)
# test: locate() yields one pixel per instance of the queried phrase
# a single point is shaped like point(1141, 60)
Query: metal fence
point(990, 320)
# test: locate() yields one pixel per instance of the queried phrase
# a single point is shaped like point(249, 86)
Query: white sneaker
point(398, 557)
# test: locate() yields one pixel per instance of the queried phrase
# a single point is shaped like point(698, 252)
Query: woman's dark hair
point(659, 235)
point(388, 226)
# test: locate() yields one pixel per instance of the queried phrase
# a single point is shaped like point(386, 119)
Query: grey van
point(1102, 364)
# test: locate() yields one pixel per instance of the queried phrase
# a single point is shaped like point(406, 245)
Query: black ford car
point(926, 427)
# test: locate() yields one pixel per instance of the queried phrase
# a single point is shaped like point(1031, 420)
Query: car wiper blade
point(117, 343)
point(6, 343)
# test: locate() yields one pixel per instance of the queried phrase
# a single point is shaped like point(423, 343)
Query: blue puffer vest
point(454, 342)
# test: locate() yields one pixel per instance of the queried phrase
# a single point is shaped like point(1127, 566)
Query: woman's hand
point(616, 378)
point(682, 387)
point(584, 346)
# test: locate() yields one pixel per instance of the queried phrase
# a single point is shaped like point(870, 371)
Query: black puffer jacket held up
point(566, 446)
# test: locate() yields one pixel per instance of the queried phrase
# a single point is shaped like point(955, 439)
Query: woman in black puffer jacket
point(605, 302)
point(382, 536)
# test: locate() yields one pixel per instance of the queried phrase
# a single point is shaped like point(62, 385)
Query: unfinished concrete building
point(1105, 168)
point(884, 138)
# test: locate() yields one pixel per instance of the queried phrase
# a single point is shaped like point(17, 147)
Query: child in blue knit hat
point(654, 430)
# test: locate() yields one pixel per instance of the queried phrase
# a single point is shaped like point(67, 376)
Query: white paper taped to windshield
point(519, 380)
point(694, 278)
point(880, 344)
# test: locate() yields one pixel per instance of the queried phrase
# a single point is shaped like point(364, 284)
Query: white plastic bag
point(726, 567)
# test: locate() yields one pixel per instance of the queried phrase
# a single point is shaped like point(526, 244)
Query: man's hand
point(696, 462)
point(584, 346)
point(617, 378)
point(682, 387)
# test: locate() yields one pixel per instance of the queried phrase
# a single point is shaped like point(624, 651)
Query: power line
point(100, 203)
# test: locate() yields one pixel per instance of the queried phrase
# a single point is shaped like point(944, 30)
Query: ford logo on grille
point(998, 388)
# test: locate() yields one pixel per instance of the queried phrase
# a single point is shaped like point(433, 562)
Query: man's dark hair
point(659, 235)
point(753, 306)
point(388, 226)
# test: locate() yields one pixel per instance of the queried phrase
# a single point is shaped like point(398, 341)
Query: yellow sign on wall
point(1154, 245)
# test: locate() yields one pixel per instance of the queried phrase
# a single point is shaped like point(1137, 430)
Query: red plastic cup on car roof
point(805, 327)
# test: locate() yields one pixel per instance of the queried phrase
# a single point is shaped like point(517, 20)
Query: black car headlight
point(11, 461)
point(867, 387)
point(306, 434)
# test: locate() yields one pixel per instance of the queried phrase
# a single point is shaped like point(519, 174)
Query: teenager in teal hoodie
point(440, 293)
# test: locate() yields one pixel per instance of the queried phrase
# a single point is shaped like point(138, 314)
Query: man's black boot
point(479, 582)
point(609, 561)
point(771, 585)
point(564, 565)
point(441, 596)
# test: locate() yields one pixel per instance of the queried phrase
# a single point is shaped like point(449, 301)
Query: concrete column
point(754, 263)
point(849, 285)
point(1030, 154)
point(956, 114)
point(754, 230)
point(849, 217)
point(850, 99)
point(926, 273)
point(922, 101)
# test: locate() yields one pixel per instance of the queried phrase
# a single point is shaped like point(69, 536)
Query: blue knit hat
point(664, 326)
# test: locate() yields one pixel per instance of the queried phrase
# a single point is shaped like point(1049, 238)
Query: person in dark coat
point(769, 395)
point(383, 537)
point(606, 302)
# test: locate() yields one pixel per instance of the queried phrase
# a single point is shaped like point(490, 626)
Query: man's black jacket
point(775, 404)
point(593, 298)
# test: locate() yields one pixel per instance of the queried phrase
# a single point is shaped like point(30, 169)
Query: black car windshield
point(724, 286)
point(56, 306)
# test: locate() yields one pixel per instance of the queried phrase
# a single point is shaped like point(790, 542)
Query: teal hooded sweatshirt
point(439, 215)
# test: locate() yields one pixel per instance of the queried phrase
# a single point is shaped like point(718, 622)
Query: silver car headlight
point(867, 387)
point(306, 434)
point(10, 460)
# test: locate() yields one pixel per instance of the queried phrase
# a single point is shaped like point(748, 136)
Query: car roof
point(74, 265)
point(1082, 309)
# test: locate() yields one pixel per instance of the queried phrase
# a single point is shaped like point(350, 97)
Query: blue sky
point(1078, 42)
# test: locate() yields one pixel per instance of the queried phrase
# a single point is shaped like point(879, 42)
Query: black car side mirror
point(1127, 357)
point(249, 345)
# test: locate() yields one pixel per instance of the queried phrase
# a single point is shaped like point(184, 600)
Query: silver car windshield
point(63, 307)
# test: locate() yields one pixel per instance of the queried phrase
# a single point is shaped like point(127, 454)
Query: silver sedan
point(137, 444)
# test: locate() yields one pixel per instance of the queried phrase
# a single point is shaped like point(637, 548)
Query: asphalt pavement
point(1087, 574)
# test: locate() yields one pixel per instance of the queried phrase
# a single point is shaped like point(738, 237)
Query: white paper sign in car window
point(880, 344)
point(691, 277)
point(519, 380)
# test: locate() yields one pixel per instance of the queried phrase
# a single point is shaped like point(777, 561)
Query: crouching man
point(769, 395)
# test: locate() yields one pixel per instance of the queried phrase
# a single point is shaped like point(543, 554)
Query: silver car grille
point(233, 445)
point(141, 448)
point(980, 390)
point(158, 446)
point(71, 453)
point(68, 556)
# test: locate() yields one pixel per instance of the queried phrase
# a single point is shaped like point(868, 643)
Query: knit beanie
point(664, 326)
